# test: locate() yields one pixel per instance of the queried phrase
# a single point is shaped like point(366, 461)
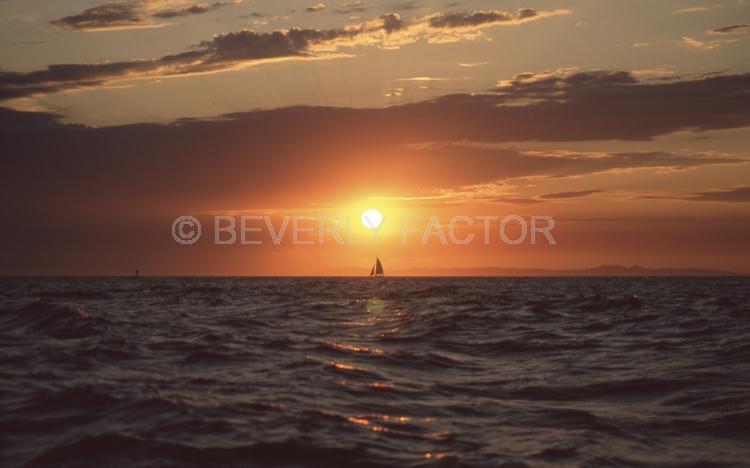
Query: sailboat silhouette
point(377, 269)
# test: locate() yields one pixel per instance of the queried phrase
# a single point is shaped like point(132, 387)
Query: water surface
point(393, 372)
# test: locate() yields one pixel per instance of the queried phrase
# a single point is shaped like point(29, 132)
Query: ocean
point(398, 372)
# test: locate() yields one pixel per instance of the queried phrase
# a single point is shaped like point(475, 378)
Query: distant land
point(603, 270)
point(599, 271)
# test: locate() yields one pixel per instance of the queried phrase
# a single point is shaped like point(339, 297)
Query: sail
point(378, 267)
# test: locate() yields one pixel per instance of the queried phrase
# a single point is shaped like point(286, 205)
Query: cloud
point(726, 30)
point(488, 163)
point(472, 64)
point(463, 20)
point(705, 45)
point(246, 48)
point(124, 184)
point(552, 106)
point(655, 73)
point(222, 53)
point(452, 27)
point(696, 9)
point(135, 14)
point(315, 8)
point(605, 104)
point(733, 195)
point(515, 200)
point(13, 120)
point(348, 8)
point(427, 79)
point(729, 195)
point(266, 156)
point(568, 195)
point(105, 17)
point(190, 10)
point(546, 197)
point(403, 6)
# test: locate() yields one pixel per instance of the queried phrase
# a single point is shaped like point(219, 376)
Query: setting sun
point(372, 219)
point(550, 265)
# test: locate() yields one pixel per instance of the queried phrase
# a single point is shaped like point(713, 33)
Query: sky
point(627, 122)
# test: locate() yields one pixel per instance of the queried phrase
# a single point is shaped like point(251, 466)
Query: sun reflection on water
point(375, 305)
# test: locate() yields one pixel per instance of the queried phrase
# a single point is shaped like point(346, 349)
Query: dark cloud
point(133, 14)
point(568, 195)
point(524, 13)
point(58, 78)
point(221, 52)
point(485, 164)
point(734, 195)
point(76, 189)
point(485, 17)
point(244, 48)
point(515, 200)
point(458, 20)
point(392, 22)
point(14, 120)
point(189, 10)
point(359, 6)
point(730, 195)
point(547, 107)
point(111, 15)
point(734, 29)
point(249, 45)
point(266, 156)
point(612, 105)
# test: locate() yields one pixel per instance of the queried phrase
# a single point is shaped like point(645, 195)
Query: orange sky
point(629, 127)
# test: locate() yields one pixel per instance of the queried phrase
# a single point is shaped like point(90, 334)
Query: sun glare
point(372, 218)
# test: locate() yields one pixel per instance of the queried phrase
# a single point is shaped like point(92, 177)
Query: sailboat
point(377, 269)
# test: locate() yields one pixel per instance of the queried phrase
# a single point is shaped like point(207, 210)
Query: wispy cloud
point(696, 9)
point(569, 195)
point(705, 45)
point(349, 8)
point(548, 106)
point(656, 72)
point(245, 48)
point(472, 64)
point(728, 30)
point(728, 195)
point(427, 79)
point(316, 8)
point(735, 195)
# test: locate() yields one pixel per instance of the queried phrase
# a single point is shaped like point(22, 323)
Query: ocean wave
point(351, 372)
point(59, 320)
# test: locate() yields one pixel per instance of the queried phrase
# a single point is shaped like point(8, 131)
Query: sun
point(372, 219)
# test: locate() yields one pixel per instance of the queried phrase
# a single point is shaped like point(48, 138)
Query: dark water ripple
point(399, 372)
